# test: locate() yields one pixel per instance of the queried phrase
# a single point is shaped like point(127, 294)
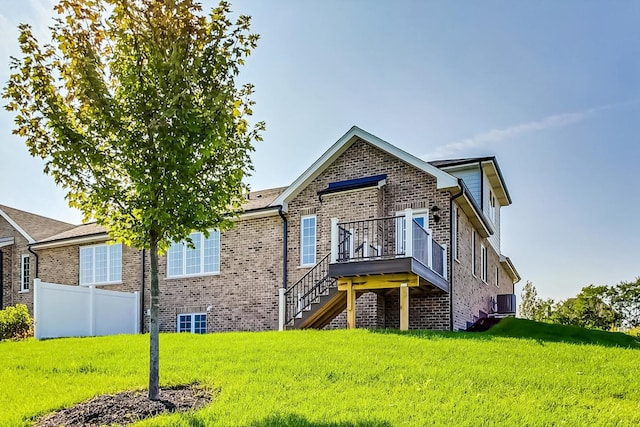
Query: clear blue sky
point(551, 88)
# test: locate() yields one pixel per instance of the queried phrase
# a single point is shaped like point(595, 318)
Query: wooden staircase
point(314, 300)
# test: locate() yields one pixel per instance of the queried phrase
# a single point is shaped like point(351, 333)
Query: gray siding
point(471, 177)
point(494, 239)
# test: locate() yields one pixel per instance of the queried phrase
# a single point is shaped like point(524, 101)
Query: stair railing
point(314, 284)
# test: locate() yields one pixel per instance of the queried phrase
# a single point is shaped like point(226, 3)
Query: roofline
point(97, 237)
point(444, 180)
point(65, 241)
point(481, 160)
point(15, 225)
point(511, 269)
point(487, 227)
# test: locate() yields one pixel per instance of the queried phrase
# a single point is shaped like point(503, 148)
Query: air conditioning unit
point(506, 304)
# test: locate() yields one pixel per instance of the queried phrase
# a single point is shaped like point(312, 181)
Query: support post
point(408, 233)
point(334, 240)
point(351, 306)
point(281, 309)
point(404, 307)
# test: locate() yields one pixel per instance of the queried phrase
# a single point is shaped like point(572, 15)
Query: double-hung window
point(100, 264)
point(196, 323)
point(201, 259)
point(25, 273)
point(308, 240)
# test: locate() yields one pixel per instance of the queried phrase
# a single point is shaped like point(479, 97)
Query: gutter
point(451, 260)
point(281, 291)
point(37, 260)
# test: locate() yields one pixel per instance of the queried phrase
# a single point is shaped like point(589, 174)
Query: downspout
point(281, 291)
point(37, 261)
point(142, 292)
point(451, 261)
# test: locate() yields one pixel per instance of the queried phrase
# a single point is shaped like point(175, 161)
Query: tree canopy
point(135, 109)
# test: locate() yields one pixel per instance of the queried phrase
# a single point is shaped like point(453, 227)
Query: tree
point(532, 307)
point(625, 298)
point(135, 110)
point(591, 308)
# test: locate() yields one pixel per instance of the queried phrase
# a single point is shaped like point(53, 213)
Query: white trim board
point(15, 225)
point(444, 180)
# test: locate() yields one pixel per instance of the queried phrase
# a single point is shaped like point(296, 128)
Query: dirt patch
point(127, 407)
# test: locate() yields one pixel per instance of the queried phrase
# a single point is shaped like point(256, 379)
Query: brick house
point(368, 236)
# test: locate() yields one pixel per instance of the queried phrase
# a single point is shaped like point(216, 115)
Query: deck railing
point(385, 238)
point(315, 283)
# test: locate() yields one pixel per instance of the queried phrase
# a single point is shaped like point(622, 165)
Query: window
point(473, 253)
point(308, 240)
point(497, 278)
point(483, 262)
point(492, 207)
point(100, 264)
point(202, 258)
point(196, 323)
point(24, 273)
point(454, 232)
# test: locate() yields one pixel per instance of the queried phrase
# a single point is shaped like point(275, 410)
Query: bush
point(15, 322)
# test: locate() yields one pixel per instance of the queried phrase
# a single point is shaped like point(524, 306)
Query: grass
point(345, 378)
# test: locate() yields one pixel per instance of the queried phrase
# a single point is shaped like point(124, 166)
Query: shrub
point(15, 322)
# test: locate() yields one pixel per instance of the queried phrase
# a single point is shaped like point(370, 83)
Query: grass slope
point(343, 378)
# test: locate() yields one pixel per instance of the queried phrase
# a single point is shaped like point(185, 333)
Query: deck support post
point(351, 306)
point(404, 307)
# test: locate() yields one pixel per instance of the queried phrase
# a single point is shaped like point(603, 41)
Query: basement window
point(196, 323)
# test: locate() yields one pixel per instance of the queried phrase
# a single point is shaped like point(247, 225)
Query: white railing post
point(408, 233)
point(281, 308)
point(36, 308)
point(352, 244)
point(334, 240)
point(444, 262)
point(429, 250)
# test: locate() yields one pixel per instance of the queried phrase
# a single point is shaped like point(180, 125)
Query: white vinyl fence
point(79, 311)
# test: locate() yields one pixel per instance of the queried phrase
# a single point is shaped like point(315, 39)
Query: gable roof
point(444, 180)
point(31, 226)
point(489, 166)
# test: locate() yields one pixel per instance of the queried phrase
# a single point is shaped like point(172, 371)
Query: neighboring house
point(368, 236)
point(18, 231)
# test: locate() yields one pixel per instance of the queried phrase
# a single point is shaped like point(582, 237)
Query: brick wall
point(11, 259)
point(406, 187)
point(470, 294)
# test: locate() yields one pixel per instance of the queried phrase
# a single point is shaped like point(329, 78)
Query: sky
point(552, 89)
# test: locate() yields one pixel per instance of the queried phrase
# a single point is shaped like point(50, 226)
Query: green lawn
point(345, 378)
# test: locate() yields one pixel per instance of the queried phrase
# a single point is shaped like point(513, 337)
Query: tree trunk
point(154, 326)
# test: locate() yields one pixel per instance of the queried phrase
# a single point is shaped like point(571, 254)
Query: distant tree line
point(596, 307)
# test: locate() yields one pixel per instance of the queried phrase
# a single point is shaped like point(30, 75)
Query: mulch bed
point(127, 407)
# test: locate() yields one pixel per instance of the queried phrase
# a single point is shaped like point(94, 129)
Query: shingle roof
point(255, 200)
point(37, 226)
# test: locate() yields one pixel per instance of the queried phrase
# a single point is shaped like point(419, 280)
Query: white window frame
point(93, 281)
point(185, 248)
point(454, 246)
point(315, 240)
point(497, 277)
point(25, 261)
point(483, 262)
point(473, 253)
point(401, 226)
point(192, 323)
